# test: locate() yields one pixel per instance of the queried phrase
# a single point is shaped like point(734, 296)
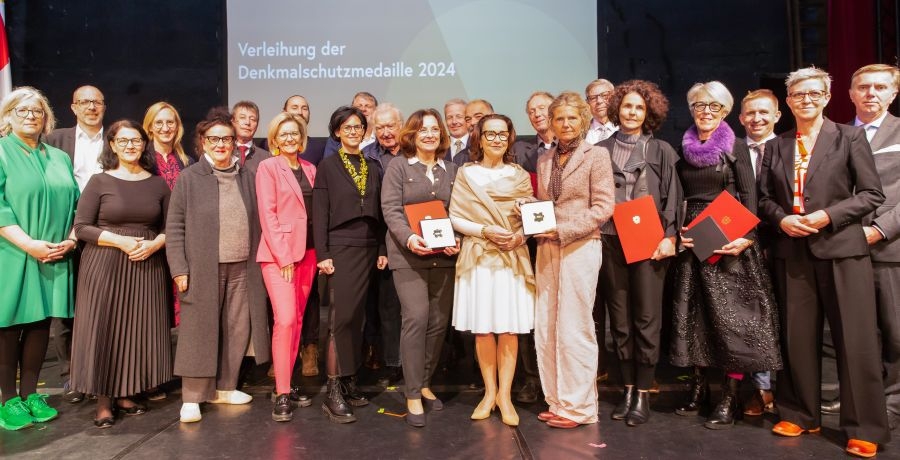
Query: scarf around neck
point(702, 154)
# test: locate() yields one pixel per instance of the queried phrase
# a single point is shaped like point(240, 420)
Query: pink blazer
point(282, 211)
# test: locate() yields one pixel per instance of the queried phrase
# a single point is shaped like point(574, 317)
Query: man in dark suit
point(526, 154)
point(455, 117)
point(245, 119)
point(872, 90)
point(816, 186)
point(83, 142)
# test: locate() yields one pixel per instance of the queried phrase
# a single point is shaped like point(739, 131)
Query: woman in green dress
point(37, 205)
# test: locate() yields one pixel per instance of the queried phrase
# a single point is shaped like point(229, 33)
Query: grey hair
point(714, 89)
point(808, 73)
point(387, 107)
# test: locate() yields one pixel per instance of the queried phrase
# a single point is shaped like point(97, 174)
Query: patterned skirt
point(724, 314)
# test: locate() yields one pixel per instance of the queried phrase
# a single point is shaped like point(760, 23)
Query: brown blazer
point(588, 196)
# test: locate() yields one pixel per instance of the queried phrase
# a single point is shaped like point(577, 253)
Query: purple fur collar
point(702, 154)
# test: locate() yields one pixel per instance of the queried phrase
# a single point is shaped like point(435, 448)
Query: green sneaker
point(40, 411)
point(14, 415)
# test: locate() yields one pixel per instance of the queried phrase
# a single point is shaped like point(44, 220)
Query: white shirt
point(872, 127)
point(599, 131)
point(87, 154)
point(369, 140)
point(754, 155)
point(463, 142)
point(429, 173)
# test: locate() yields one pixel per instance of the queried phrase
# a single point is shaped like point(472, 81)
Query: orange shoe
point(791, 430)
point(546, 416)
point(861, 448)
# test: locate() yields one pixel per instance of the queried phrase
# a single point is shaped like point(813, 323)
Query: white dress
point(490, 298)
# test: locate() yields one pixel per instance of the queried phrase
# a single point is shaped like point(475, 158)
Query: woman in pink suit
point(284, 185)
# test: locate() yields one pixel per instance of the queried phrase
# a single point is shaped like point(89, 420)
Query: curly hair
point(475, 152)
point(656, 103)
point(411, 129)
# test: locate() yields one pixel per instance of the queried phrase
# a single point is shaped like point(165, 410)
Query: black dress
point(724, 314)
point(120, 343)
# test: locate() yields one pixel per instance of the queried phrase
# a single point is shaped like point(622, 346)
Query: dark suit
point(462, 157)
point(64, 139)
point(253, 157)
point(886, 256)
point(828, 274)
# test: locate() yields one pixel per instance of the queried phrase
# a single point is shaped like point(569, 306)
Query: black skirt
point(120, 341)
point(724, 314)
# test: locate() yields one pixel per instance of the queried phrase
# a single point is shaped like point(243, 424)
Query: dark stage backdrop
point(139, 52)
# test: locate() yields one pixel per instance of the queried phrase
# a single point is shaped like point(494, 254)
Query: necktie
point(243, 149)
point(760, 150)
point(870, 132)
point(457, 146)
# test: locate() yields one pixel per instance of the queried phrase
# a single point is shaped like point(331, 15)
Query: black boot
point(723, 416)
point(334, 406)
point(624, 406)
point(284, 410)
point(640, 409)
point(699, 396)
point(351, 392)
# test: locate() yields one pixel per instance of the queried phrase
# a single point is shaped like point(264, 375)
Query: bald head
point(88, 105)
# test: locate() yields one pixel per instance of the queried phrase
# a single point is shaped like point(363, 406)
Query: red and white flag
point(5, 74)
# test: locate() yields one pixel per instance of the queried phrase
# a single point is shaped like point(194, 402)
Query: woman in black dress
point(724, 313)
point(349, 238)
point(120, 345)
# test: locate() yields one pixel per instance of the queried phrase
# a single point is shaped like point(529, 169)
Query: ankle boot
point(624, 406)
point(335, 407)
point(723, 415)
point(640, 409)
point(699, 396)
point(351, 392)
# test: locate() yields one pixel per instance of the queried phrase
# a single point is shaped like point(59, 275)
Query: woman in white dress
point(494, 296)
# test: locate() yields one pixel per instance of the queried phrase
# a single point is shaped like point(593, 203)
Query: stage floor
point(247, 432)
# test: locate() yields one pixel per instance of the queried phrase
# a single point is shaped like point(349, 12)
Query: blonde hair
point(275, 124)
point(808, 73)
point(14, 98)
point(573, 99)
point(714, 89)
point(872, 68)
point(151, 114)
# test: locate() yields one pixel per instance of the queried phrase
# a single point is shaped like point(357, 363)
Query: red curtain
point(851, 45)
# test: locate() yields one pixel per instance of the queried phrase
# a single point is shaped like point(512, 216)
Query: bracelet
point(483, 235)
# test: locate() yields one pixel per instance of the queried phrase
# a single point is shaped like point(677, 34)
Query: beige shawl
point(493, 204)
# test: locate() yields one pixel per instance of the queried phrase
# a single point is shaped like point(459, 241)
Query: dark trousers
point(887, 296)
point(527, 351)
point(348, 289)
point(426, 298)
point(389, 313)
point(842, 291)
point(633, 296)
point(61, 330)
point(311, 316)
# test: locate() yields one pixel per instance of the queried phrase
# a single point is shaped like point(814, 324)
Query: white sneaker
point(231, 397)
point(190, 412)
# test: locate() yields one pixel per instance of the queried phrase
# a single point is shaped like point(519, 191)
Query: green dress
point(38, 193)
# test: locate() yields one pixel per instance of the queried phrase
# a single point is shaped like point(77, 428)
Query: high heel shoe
point(483, 411)
point(508, 413)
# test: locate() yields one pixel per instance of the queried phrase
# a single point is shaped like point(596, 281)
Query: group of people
point(223, 242)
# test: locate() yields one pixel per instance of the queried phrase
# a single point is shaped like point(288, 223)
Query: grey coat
point(887, 216)
point(192, 243)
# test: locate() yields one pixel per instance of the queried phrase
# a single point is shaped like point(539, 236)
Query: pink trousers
point(288, 303)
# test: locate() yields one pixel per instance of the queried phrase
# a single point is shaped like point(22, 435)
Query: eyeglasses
point(214, 140)
point(85, 103)
point(814, 96)
point(435, 131)
point(491, 135)
point(596, 97)
point(158, 124)
point(22, 112)
point(713, 107)
point(351, 128)
point(124, 141)
point(288, 135)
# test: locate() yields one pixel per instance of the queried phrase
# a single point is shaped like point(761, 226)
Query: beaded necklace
point(359, 178)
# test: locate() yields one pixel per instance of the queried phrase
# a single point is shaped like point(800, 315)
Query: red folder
point(730, 215)
point(418, 212)
point(639, 228)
